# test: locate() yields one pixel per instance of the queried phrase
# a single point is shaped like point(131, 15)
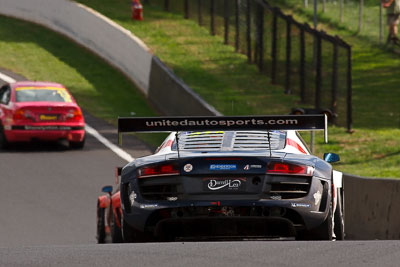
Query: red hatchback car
point(40, 110)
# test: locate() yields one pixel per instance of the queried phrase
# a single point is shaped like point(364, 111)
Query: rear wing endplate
point(223, 123)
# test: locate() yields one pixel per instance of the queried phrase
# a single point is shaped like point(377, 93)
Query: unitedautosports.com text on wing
point(227, 123)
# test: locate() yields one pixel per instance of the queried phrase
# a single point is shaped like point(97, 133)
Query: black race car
point(230, 178)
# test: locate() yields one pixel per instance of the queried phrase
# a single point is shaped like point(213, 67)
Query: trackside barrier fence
point(307, 62)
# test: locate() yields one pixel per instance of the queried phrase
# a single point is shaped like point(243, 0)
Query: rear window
point(42, 94)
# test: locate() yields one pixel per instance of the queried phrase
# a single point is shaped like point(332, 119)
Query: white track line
point(6, 78)
point(120, 152)
point(90, 130)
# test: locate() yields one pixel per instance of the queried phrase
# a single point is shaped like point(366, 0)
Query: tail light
point(289, 168)
point(22, 114)
point(158, 170)
point(74, 115)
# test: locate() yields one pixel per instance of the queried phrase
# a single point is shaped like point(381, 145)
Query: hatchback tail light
point(74, 115)
point(158, 170)
point(289, 169)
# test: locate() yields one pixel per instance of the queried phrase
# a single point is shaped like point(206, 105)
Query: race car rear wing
point(223, 123)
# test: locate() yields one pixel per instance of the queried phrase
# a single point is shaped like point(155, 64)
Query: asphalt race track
point(248, 253)
point(48, 200)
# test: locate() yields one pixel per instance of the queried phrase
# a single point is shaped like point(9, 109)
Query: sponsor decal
point(248, 167)
point(255, 166)
point(276, 197)
point(132, 198)
point(28, 127)
point(317, 197)
point(261, 121)
point(300, 205)
point(219, 123)
point(188, 167)
point(45, 117)
point(224, 184)
point(222, 167)
point(148, 206)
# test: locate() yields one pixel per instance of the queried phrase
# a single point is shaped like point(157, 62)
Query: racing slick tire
point(130, 234)
point(101, 232)
point(77, 145)
point(116, 233)
point(325, 230)
point(339, 216)
point(322, 232)
point(3, 139)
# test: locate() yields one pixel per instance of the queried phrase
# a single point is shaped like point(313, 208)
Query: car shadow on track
point(36, 146)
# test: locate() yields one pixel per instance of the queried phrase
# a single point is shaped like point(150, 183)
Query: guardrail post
point(302, 71)
point(334, 81)
point(237, 25)
point(186, 8)
point(199, 12)
point(273, 49)
point(226, 21)
point(288, 54)
point(349, 91)
point(212, 17)
point(248, 32)
point(166, 5)
point(260, 37)
point(319, 71)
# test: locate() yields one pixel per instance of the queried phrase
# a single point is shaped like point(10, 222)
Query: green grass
point(40, 54)
point(370, 19)
point(221, 77)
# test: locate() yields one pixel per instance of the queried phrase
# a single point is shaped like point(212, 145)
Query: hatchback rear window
point(42, 94)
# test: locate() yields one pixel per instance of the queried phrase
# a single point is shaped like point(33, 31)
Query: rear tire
point(325, 230)
point(116, 233)
point(77, 145)
point(101, 232)
point(339, 216)
point(130, 234)
point(3, 139)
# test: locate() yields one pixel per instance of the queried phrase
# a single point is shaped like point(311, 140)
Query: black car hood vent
point(231, 140)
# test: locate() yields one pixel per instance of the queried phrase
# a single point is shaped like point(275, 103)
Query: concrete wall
point(190, 103)
point(372, 208)
point(117, 46)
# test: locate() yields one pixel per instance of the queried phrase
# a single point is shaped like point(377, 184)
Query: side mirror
point(107, 189)
point(331, 157)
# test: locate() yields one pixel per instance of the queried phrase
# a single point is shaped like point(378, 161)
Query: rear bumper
point(224, 227)
point(189, 216)
point(45, 133)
